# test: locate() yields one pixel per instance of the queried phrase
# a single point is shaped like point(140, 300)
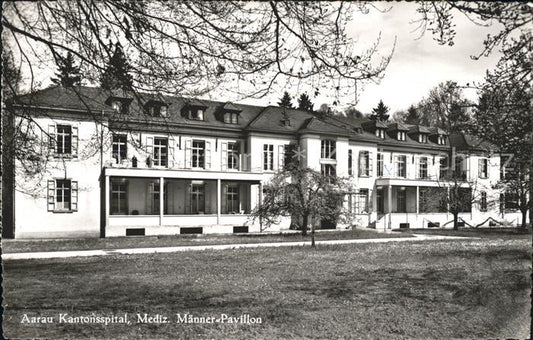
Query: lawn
point(492, 233)
point(426, 290)
point(19, 246)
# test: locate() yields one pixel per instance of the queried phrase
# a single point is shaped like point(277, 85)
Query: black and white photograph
point(266, 169)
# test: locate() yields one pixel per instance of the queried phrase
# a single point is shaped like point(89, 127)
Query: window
point(156, 110)
point(268, 157)
point(459, 172)
point(401, 201)
point(233, 156)
point(361, 202)
point(483, 168)
point(380, 133)
point(364, 164)
point(62, 195)
point(422, 138)
point(350, 162)
point(232, 199)
point(160, 151)
point(63, 140)
point(197, 198)
point(327, 169)
point(156, 196)
point(290, 155)
point(198, 154)
point(442, 140)
point(401, 166)
point(401, 135)
point(380, 164)
point(327, 149)
point(119, 198)
point(380, 201)
point(483, 201)
point(195, 113)
point(443, 167)
point(231, 117)
point(423, 167)
point(119, 147)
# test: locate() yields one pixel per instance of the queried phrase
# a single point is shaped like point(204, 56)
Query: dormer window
point(231, 117)
point(156, 108)
point(119, 104)
point(401, 135)
point(195, 113)
point(442, 140)
point(422, 138)
point(380, 133)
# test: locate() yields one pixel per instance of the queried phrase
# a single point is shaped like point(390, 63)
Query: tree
point(304, 103)
point(445, 107)
point(411, 116)
point(380, 112)
point(304, 194)
point(454, 194)
point(191, 48)
point(286, 100)
point(68, 74)
point(352, 112)
point(513, 38)
point(117, 73)
point(503, 117)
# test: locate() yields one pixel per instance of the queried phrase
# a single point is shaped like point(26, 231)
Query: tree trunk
point(304, 225)
point(455, 222)
point(312, 235)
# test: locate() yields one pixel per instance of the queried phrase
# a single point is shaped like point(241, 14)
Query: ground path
point(153, 250)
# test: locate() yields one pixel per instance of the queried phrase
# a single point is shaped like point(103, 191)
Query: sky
point(417, 65)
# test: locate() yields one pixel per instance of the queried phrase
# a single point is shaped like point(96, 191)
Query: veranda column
point(417, 203)
point(106, 205)
point(161, 200)
point(389, 202)
point(219, 191)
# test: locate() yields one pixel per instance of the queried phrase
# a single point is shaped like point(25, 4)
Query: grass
point(491, 233)
point(20, 246)
point(423, 290)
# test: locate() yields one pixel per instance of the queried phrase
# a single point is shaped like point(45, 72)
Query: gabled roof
point(462, 141)
point(398, 127)
point(418, 129)
point(315, 125)
point(229, 106)
point(437, 131)
point(373, 124)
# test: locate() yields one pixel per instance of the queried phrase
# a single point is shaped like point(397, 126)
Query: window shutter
point(488, 168)
point(480, 168)
point(188, 153)
point(224, 153)
point(74, 195)
point(207, 155)
point(417, 167)
point(370, 200)
point(171, 144)
point(52, 138)
point(361, 163)
point(51, 195)
point(281, 156)
point(150, 146)
point(74, 141)
point(370, 165)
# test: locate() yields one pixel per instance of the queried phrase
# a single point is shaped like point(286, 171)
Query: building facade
point(115, 164)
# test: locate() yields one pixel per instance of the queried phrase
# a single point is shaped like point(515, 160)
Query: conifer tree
point(380, 112)
point(304, 103)
point(285, 101)
point(117, 72)
point(68, 74)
